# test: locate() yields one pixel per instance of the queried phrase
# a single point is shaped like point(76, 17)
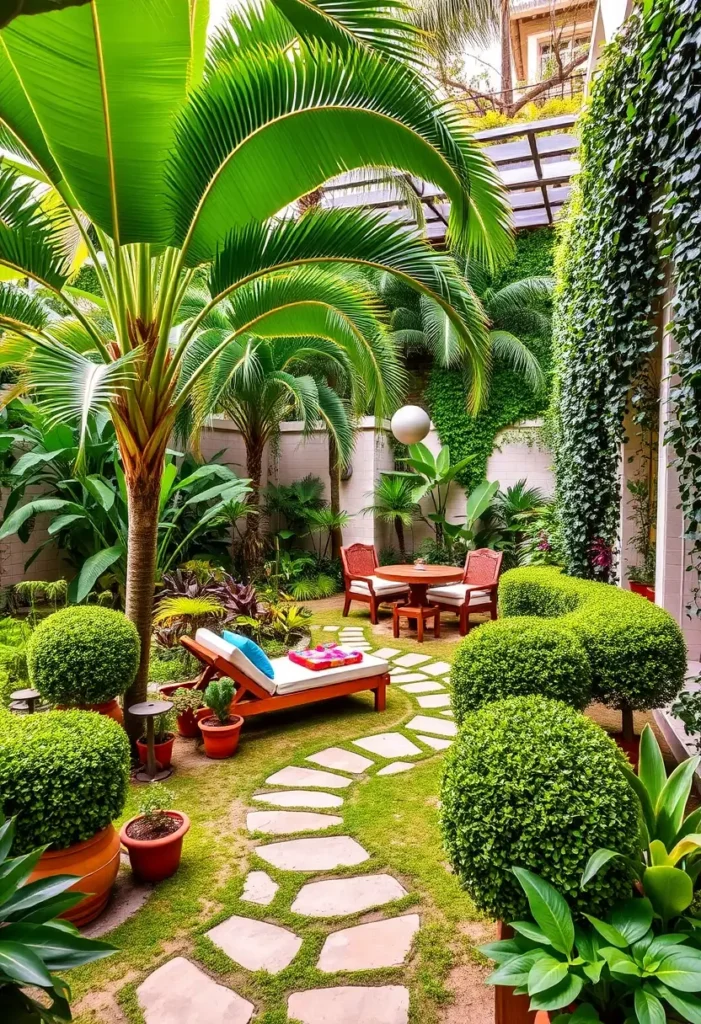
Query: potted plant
point(64, 777)
point(84, 657)
point(186, 702)
point(641, 579)
point(154, 838)
point(220, 729)
point(164, 738)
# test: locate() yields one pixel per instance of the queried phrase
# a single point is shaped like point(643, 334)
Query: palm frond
point(194, 302)
point(250, 26)
point(170, 608)
point(346, 23)
point(19, 309)
point(510, 349)
point(32, 242)
point(512, 298)
point(335, 416)
point(452, 24)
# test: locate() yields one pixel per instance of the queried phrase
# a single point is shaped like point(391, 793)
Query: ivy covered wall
point(510, 399)
point(636, 211)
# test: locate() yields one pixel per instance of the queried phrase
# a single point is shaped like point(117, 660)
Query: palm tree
point(175, 164)
point(392, 503)
point(13, 8)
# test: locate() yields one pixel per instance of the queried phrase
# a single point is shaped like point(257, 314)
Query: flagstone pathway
point(299, 806)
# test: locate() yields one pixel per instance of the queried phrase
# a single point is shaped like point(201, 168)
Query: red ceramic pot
point(220, 741)
point(509, 1008)
point(96, 863)
point(187, 721)
point(163, 751)
point(631, 748)
point(152, 860)
point(111, 709)
point(644, 590)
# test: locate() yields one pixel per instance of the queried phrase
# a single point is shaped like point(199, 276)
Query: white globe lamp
point(410, 424)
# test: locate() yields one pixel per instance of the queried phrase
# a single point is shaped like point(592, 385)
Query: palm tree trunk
point(507, 85)
point(252, 543)
point(399, 528)
point(142, 501)
point(335, 497)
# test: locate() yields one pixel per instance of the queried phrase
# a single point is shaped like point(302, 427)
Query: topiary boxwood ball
point(532, 783)
point(83, 656)
point(514, 657)
point(63, 773)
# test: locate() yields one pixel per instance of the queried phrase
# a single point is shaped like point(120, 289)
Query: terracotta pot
point(187, 721)
point(220, 740)
point(508, 1008)
point(163, 751)
point(542, 1017)
point(96, 861)
point(152, 860)
point(650, 593)
point(629, 747)
point(110, 709)
point(644, 589)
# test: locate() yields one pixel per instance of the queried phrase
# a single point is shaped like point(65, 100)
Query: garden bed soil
point(157, 828)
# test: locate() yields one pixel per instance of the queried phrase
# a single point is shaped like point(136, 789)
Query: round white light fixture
point(410, 424)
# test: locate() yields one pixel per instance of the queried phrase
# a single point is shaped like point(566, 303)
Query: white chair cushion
point(455, 595)
point(289, 677)
point(380, 586)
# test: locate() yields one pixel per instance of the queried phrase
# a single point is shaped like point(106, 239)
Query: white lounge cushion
point(380, 586)
point(289, 678)
point(455, 594)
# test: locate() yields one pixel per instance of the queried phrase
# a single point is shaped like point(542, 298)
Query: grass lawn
point(394, 817)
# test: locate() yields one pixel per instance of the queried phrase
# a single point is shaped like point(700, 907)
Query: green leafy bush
point(533, 783)
point(64, 774)
point(515, 657)
point(636, 650)
point(83, 655)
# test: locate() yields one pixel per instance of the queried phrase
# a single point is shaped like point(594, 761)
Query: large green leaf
point(681, 970)
point(92, 569)
point(560, 995)
point(17, 114)
point(330, 112)
point(13, 8)
point(688, 1005)
point(35, 508)
point(648, 1008)
point(545, 974)
point(22, 964)
point(28, 896)
point(57, 947)
point(671, 803)
point(549, 910)
point(670, 890)
point(632, 919)
point(106, 81)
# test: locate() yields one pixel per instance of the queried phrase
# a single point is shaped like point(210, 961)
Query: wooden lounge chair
point(359, 563)
point(476, 593)
point(292, 685)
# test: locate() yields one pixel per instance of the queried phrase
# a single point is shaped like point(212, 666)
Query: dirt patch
point(473, 1001)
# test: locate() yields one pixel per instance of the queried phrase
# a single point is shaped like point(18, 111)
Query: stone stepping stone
point(180, 993)
point(342, 760)
point(284, 823)
point(314, 854)
point(439, 668)
point(396, 767)
point(369, 946)
point(293, 776)
point(336, 897)
point(409, 660)
point(426, 687)
point(388, 1004)
point(352, 632)
point(331, 629)
point(424, 723)
point(299, 798)
point(448, 714)
point(259, 888)
point(256, 945)
point(386, 652)
point(388, 744)
point(438, 700)
point(433, 741)
point(408, 677)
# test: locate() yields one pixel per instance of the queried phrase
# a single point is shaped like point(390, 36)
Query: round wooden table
point(419, 580)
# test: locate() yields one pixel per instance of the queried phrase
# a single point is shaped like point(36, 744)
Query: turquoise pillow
point(252, 651)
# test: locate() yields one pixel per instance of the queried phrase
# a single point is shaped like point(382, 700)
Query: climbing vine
point(635, 208)
point(510, 398)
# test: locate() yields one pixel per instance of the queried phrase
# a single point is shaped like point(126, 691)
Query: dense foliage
point(531, 782)
point(517, 656)
point(63, 774)
point(510, 397)
point(83, 655)
point(635, 649)
point(635, 205)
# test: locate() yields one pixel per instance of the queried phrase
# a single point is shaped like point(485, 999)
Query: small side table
point(422, 613)
point(25, 701)
point(150, 709)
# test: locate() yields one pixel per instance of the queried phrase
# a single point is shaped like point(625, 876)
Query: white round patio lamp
point(410, 424)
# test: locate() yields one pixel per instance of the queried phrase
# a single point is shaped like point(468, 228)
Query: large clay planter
point(508, 1008)
point(152, 860)
point(111, 709)
point(220, 741)
point(163, 751)
point(96, 861)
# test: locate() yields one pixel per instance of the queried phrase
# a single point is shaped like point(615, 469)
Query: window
point(570, 48)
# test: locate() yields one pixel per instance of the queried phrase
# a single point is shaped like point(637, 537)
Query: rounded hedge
point(83, 655)
point(515, 657)
point(530, 782)
point(63, 773)
point(636, 650)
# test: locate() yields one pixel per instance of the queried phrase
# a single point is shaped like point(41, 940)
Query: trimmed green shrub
point(532, 783)
point(63, 773)
point(83, 655)
point(515, 657)
point(636, 650)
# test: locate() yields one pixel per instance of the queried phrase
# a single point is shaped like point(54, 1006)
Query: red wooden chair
point(476, 593)
point(359, 564)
